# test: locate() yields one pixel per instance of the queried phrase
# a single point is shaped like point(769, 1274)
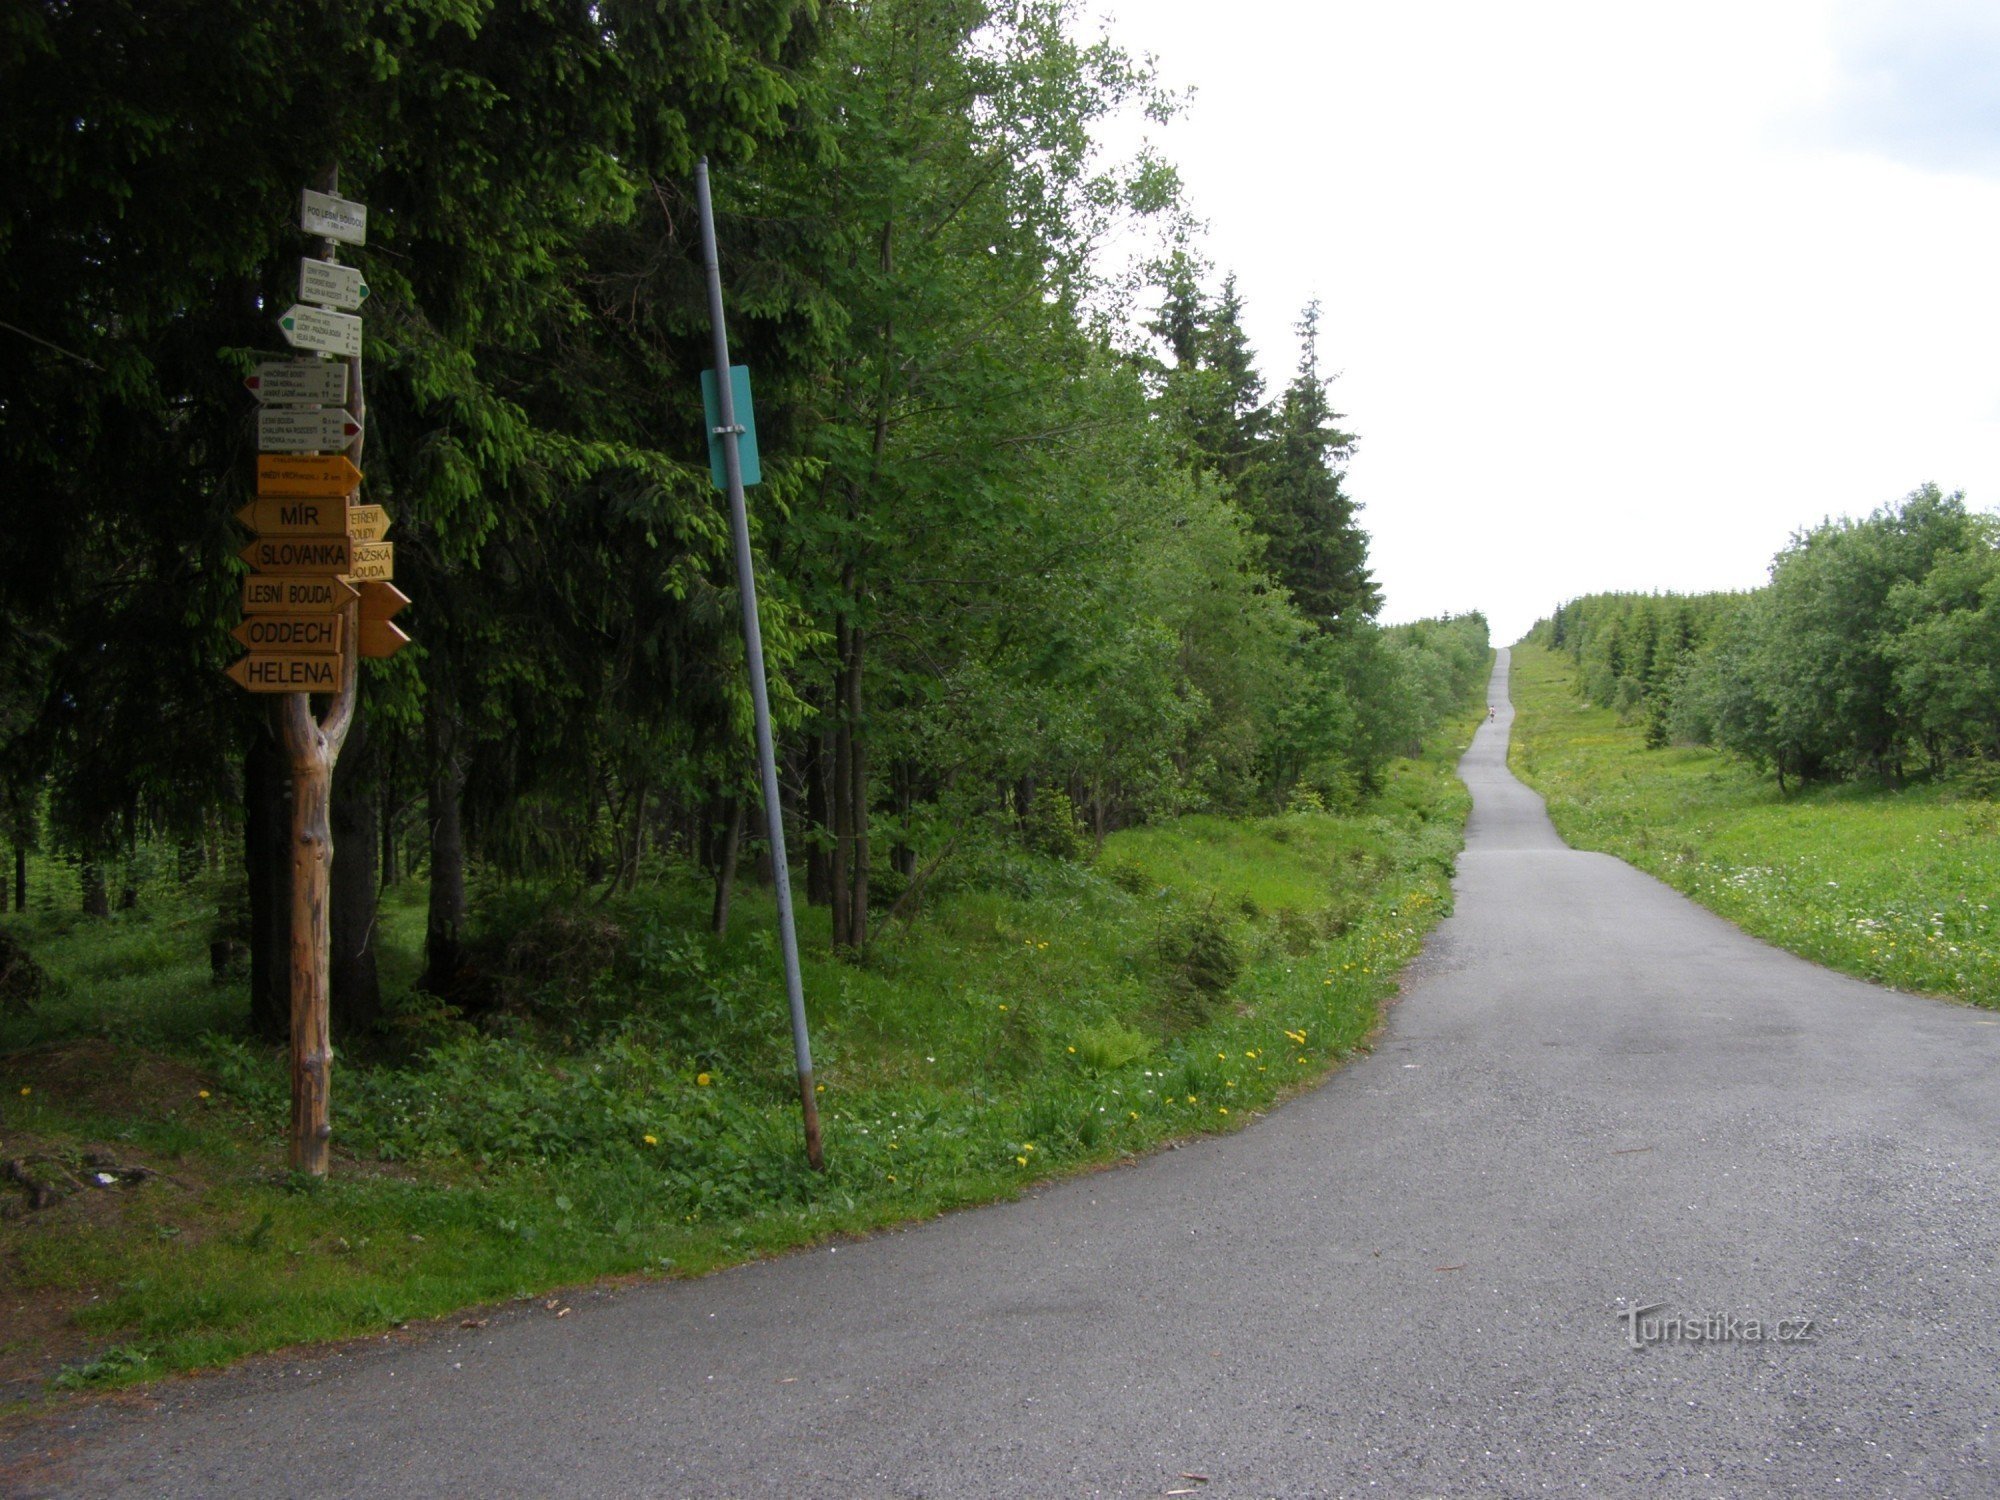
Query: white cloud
point(1618, 296)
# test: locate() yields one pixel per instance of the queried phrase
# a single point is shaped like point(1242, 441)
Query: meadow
point(1896, 885)
point(627, 1108)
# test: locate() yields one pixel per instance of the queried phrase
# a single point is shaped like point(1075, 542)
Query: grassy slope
point(1900, 887)
point(973, 1054)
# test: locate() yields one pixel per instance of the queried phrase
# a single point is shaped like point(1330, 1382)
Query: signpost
point(306, 623)
point(331, 478)
point(299, 382)
point(333, 217)
point(302, 554)
point(317, 633)
point(381, 638)
point(305, 429)
point(367, 523)
point(372, 562)
point(287, 674)
point(316, 328)
point(295, 595)
point(330, 284)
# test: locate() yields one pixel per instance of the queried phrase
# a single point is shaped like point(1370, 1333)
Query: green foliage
point(1875, 647)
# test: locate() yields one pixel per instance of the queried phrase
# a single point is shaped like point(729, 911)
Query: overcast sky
point(1619, 295)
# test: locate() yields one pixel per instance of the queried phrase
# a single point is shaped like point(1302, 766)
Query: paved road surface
point(1595, 1095)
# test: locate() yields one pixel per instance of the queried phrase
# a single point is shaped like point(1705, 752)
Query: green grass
point(1901, 887)
point(1040, 1018)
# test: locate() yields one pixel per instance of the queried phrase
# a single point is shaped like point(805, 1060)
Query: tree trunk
point(857, 920)
point(725, 873)
point(311, 756)
point(444, 952)
point(819, 867)
point(20, 876)
point(96, 899)
point(354, 988)
point(843, 800)
point(267, 865)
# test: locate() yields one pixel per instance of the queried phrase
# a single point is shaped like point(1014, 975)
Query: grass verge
point(1042, 1019)
point(1897, 886)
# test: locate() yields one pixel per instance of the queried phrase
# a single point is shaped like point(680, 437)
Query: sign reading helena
point(286, 673)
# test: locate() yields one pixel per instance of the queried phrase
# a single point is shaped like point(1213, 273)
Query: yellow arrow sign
point(280, 595)
point(367, 523)
point(382, 601)
point(374, 562)
point(301, 554)
point(381, 638)
point(299, 517)
point(317, 633)
point(328, 476)
point(286, 674)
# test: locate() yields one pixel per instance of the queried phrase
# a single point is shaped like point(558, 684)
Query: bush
point(1052, 826)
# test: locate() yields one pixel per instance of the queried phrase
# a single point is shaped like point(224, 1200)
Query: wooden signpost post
point(306, 623)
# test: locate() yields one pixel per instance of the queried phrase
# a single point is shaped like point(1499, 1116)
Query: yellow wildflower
point(702, 1080)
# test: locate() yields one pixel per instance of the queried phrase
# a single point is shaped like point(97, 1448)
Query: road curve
point(1594, 1095)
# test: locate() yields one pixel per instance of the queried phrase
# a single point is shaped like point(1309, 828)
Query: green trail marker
point(746, 433)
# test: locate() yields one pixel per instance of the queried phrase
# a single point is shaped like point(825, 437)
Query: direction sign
point(302, 554)
point(374, 562)
point(319, 633)
point(286, 674)
point(367, 523)
point(299, 517)
point(277, 594)
point(324, 478)
point(305, 429)
point(381, 601)
point(380, 638)
point(331, 284)
point(746, 418)
point(333, 217)
point(316, 328)
point(300, 382)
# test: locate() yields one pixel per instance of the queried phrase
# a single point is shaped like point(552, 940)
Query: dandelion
point(1191, 1098)
point(651, 1140)
point(1027, 1145)
point(892, 1176)
point(1072, 1049)
point(1131, 1114)
point(1003, 1007)
point(1297, 1036)
point(1222, 1109)
point(201, 1093)
point(1022, 1160)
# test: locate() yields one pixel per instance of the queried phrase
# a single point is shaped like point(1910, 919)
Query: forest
point(1041, 553)
point(1872, 654)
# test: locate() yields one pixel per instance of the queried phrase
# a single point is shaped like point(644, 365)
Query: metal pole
point(753, 641)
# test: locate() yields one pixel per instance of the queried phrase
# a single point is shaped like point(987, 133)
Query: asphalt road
point(1593, 1096)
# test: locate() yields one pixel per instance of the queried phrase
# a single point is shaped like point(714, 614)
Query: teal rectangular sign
point(746, 442)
